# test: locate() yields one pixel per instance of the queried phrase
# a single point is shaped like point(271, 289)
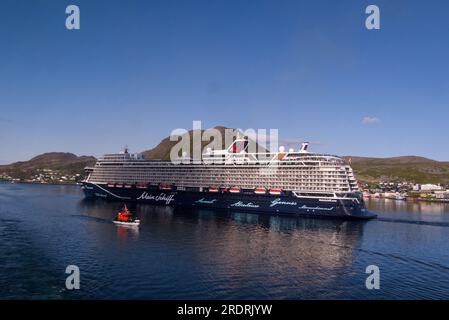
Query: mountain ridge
point(64, 162)
point(415, 169)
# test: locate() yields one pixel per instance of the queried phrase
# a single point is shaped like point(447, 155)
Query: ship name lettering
point(161, 197)
point(279, 201)
point(245, 205)
point(202, 200)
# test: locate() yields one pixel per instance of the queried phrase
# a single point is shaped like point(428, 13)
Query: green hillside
point(407, 168)
point(65, 163)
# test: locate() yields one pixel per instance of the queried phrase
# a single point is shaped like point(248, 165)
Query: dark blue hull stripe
point(272, 204)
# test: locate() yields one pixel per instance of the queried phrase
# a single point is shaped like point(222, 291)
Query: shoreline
point(46, 183)
point(443, 201)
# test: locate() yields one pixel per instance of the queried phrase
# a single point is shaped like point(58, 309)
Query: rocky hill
point(62, 162)
point(162, 150)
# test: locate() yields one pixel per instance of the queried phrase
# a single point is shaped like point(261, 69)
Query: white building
point(442, 194)
point(430, 187)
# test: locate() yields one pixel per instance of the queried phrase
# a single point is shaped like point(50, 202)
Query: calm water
point(203, 254)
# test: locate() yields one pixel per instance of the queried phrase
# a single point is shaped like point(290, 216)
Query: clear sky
point(138, 69)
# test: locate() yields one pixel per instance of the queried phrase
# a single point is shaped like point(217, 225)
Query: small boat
point(275, 191)
point(395, 196)
point(366, 195)
point(126, 218)
point(134, 223)
point(213, 189)
point(234, 190)
point(128, 186)
point(260, 191)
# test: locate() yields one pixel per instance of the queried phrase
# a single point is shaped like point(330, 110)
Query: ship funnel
point(304, 147)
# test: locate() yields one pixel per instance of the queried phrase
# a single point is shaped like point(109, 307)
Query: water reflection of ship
point(285, 248)
point(103, 209)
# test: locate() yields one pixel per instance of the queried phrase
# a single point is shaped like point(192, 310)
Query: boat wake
point(90, 218)
point(417, 222)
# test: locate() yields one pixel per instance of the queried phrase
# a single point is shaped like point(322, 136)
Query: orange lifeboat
point(213, 189)
point(275, 191)
point(260, 191)
point(165, 186)
point(234, 190)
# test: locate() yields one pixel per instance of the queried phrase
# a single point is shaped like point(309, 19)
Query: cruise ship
point(297, 183)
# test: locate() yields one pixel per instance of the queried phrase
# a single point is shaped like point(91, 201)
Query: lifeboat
point(126, 218)
point(224, 189)
point(111, 185)
point(119, 185)
point(234, 190)
point(260, 191)
point(164, 186)
point(128, 186)
point(275, 191)
point(213, 189)
point(141, 186)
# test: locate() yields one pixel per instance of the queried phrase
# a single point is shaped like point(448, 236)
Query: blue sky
point(138, 69)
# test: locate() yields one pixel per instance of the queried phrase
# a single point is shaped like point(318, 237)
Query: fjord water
point(203, 254)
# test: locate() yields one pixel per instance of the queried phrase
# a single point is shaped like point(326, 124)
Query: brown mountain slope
point(66, 163)
point(162, 150)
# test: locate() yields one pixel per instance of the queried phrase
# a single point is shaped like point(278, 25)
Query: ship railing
point(334, 195)
point(252, 158)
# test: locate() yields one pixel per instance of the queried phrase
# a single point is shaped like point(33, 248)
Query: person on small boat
point(125, 215)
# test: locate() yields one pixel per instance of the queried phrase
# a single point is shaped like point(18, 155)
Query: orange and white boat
point(213, 189)
point(260, 191)
point(234, 190)
point(126, 218)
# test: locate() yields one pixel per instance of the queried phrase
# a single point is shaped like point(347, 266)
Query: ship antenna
point(126, 148)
